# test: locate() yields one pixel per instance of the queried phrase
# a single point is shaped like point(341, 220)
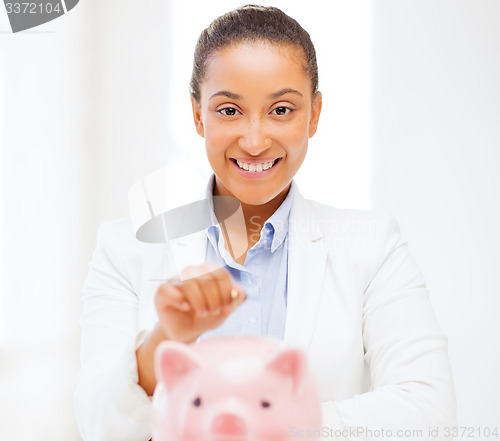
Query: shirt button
point(267, 231)
point(252, 320)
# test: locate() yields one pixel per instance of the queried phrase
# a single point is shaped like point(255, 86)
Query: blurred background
point(97, 99)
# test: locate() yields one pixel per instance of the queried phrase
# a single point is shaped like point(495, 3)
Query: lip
point(256, 160)
point(255, 174)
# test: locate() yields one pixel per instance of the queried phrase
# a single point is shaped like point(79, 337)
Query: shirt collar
point(209, 191)
point(279, 220)
point(277, 224)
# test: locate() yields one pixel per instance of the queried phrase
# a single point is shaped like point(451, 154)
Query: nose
point(228, 424)
point(255, 139)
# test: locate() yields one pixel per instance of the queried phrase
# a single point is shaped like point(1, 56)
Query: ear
point(315, 112)
point(173, 360)
point(290, 363)
point(197, 117)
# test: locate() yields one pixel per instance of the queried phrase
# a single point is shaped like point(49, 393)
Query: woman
point(341, 284)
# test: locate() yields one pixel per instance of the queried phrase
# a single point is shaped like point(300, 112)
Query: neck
point(255, 216)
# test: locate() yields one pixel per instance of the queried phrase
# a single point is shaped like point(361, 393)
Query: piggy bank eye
point(265, 404)
point(197, 402)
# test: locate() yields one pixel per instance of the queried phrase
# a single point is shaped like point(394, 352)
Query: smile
point(256, 167)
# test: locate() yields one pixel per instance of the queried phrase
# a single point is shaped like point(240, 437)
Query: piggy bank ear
point(290, 363)
point(173, 360)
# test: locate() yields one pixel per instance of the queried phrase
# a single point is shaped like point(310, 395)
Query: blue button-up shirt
point(263, 275)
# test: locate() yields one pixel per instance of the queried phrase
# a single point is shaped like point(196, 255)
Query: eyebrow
point(231, 95)
point(284, 92)
point(234, 96)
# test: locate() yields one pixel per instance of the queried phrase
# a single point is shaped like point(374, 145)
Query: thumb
point(238, 296)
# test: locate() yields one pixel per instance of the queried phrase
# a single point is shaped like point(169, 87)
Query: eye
point(229, 111)
point(282, 110)
point(197, 402)
point(265, 404)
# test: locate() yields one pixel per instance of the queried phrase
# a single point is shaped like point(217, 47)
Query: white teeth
point(255, 167)
point(243, 165)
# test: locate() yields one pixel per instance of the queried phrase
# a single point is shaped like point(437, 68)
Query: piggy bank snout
point(228, 424)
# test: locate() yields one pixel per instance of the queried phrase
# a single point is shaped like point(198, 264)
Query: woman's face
point(256, 113)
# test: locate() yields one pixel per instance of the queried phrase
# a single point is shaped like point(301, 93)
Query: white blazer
point(356, 303)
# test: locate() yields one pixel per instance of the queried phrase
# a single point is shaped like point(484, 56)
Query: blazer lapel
point(306, 266)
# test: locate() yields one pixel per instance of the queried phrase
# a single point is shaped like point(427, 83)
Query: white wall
point(436, 139)
point(83, 99)
point(42, 172)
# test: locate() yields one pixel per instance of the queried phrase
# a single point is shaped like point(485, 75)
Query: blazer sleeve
point(412, 393)
point(109, 403)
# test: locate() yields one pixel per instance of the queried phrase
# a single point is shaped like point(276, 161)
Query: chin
point(253, 193)
point(257, 199)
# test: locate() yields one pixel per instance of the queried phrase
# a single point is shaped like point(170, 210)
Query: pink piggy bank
point(233, 389)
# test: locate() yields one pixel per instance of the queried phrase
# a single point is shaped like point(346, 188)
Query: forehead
point(256, 68)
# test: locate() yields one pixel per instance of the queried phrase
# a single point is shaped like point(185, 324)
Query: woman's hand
point(198, 300)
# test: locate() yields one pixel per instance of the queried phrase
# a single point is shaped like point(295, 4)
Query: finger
point(211, 291)
point(238, 296)
point(168, 295)
point(224, 284)
point(193, 292)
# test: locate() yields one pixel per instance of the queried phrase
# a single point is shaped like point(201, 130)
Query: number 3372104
point(33, 8)
point(471, 432)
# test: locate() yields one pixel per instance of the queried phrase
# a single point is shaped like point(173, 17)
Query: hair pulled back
point(251, 24)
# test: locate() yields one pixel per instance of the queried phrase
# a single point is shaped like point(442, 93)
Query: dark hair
point(251, 23)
